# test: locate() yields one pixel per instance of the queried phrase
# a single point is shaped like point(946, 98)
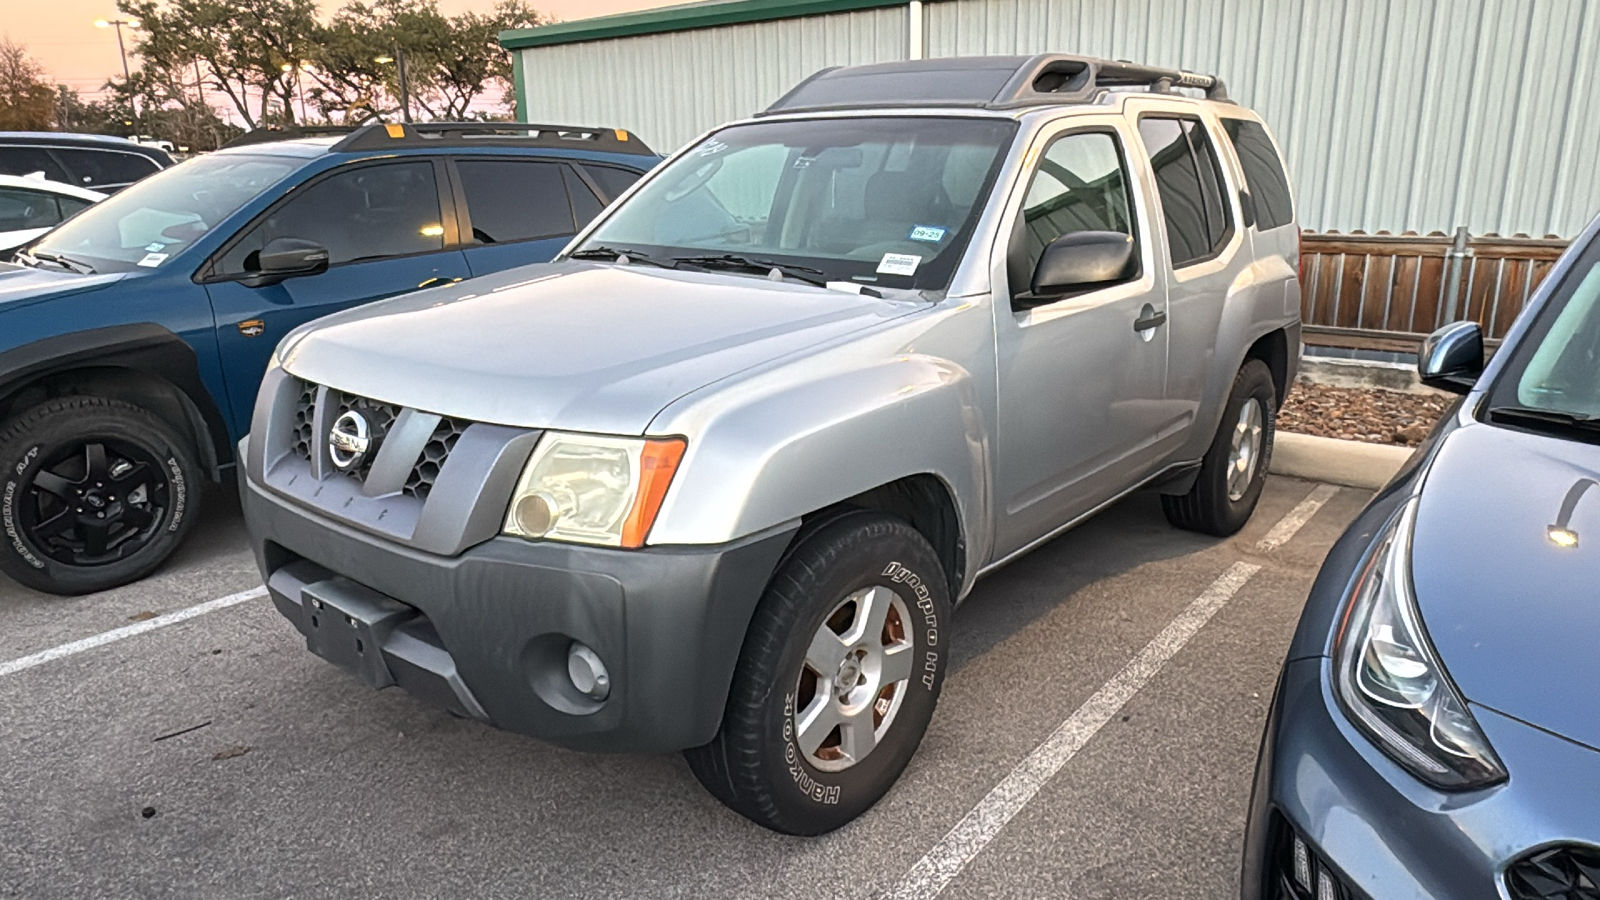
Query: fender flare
point(142, 347)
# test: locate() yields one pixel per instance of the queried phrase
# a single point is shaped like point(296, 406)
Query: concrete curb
point(1350, 463)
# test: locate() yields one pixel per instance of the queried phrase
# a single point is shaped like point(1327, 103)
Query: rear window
point(612, 181)
point(510, 200)
point(31, 161)
point(96, 168)
point(1190, 184)
point(1263, 173)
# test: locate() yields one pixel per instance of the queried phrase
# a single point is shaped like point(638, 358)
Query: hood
point(572, 345)
point(1515, 618)
point(19, 284)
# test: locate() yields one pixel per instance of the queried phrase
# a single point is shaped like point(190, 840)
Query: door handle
point(435, 282)
point(1152, 319)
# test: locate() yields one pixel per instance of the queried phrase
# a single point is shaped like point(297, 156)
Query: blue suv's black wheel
point(94, 493)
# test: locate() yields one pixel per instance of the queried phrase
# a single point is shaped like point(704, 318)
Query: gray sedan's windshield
point(1556, 367)
point(148, 223)
point(881, 200)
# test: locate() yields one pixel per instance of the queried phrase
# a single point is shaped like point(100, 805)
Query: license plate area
point(348, 624)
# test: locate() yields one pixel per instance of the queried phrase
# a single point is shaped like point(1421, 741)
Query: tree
point(242, 47)
point(27, 101)
point(457, 69)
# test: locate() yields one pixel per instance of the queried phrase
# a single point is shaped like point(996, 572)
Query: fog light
point(535, 514)
point(587, 672)
point(1302, 863)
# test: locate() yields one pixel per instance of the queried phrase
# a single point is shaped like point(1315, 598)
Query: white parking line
point(1300, 515)
point(939, 866)
point(100, 640)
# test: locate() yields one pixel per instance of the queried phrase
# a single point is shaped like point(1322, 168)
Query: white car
point(30, 206)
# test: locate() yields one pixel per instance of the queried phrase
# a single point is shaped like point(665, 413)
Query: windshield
point(1556, 366)
point(148, 223)
point(885, 201)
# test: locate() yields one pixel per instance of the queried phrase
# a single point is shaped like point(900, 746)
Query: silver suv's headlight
point(1391, 681)
point(592, 489)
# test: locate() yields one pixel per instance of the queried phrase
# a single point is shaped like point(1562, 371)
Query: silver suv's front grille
point(434, 453)
point(426, 469)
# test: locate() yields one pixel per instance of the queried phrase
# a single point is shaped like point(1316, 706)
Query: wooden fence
point(1385, 291)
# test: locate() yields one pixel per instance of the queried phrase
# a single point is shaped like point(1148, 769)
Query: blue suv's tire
point(94, 493)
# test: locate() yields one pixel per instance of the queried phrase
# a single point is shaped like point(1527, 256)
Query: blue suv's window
point(369, 212)
point(512, 200)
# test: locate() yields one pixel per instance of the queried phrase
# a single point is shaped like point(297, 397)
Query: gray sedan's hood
point(1513, 616)
point(570, 345)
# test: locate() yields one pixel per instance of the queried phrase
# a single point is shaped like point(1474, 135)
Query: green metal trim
point(680, 18)
point(519, 87)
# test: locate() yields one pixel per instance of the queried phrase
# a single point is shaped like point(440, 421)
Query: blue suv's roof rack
point(441, 135)
point(988, 82)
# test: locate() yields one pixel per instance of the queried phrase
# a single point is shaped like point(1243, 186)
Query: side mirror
point(285, 258)
point(1451, 358)
point(1080, 261)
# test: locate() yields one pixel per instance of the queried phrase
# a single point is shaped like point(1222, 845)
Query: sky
point(61, 35)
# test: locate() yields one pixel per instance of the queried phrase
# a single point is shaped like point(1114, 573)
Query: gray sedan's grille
point(440, 443)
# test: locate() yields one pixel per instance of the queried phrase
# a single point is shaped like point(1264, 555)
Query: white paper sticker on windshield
point(152, 260)
point(899, 264)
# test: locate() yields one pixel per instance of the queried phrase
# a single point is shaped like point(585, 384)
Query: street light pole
point(122, 51)
point(399, 59)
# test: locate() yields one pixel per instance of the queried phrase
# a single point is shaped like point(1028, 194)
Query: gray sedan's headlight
point(592, 489)
point(1392, 683)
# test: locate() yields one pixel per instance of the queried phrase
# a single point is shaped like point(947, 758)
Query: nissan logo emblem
point(350, 440)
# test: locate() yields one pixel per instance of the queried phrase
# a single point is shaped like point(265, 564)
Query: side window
point(1263, 173)
point(1080, 185)
point(512, 200)
point(1190, 184)
point(71, 205)
point(359, 214)
point(30, 161)
point(585, 205)
point(91, 168)
point(612, 181)
point(22, 209)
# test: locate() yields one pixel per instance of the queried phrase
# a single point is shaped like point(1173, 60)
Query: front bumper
point(1382, 833)
point(486, 632)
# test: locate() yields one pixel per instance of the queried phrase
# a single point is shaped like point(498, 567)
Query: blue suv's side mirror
point(286, 258)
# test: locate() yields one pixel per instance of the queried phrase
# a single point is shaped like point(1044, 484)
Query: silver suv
point(715, 478)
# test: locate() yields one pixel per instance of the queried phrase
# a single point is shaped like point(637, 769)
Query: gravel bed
point(1374, 415)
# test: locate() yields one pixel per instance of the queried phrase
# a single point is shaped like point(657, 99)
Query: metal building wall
point(1396, 115)
point(669, 88)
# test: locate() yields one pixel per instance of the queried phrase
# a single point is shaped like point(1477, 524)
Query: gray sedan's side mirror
point(1081, 261)
point(287, 258)
point(1451, 358)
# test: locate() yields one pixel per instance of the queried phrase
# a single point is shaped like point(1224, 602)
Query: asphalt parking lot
point(1096, 738)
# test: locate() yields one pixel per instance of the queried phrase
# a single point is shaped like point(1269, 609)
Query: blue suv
point(134, 336)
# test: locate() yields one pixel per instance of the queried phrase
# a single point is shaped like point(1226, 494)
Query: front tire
point(840, 672)
point(94, 494)
point(1234, 469)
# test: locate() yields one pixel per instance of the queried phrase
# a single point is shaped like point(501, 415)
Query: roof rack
point(989, 82)
point(293, 132)
point(397, 135)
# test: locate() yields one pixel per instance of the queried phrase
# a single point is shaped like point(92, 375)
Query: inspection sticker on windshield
point(151, 260)
point(899, 264)
point(933, 234)
point(154, 247)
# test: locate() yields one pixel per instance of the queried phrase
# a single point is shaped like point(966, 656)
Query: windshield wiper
point(616, 253)
point(1555, 421)
point(746, 264)
point(71, 265)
